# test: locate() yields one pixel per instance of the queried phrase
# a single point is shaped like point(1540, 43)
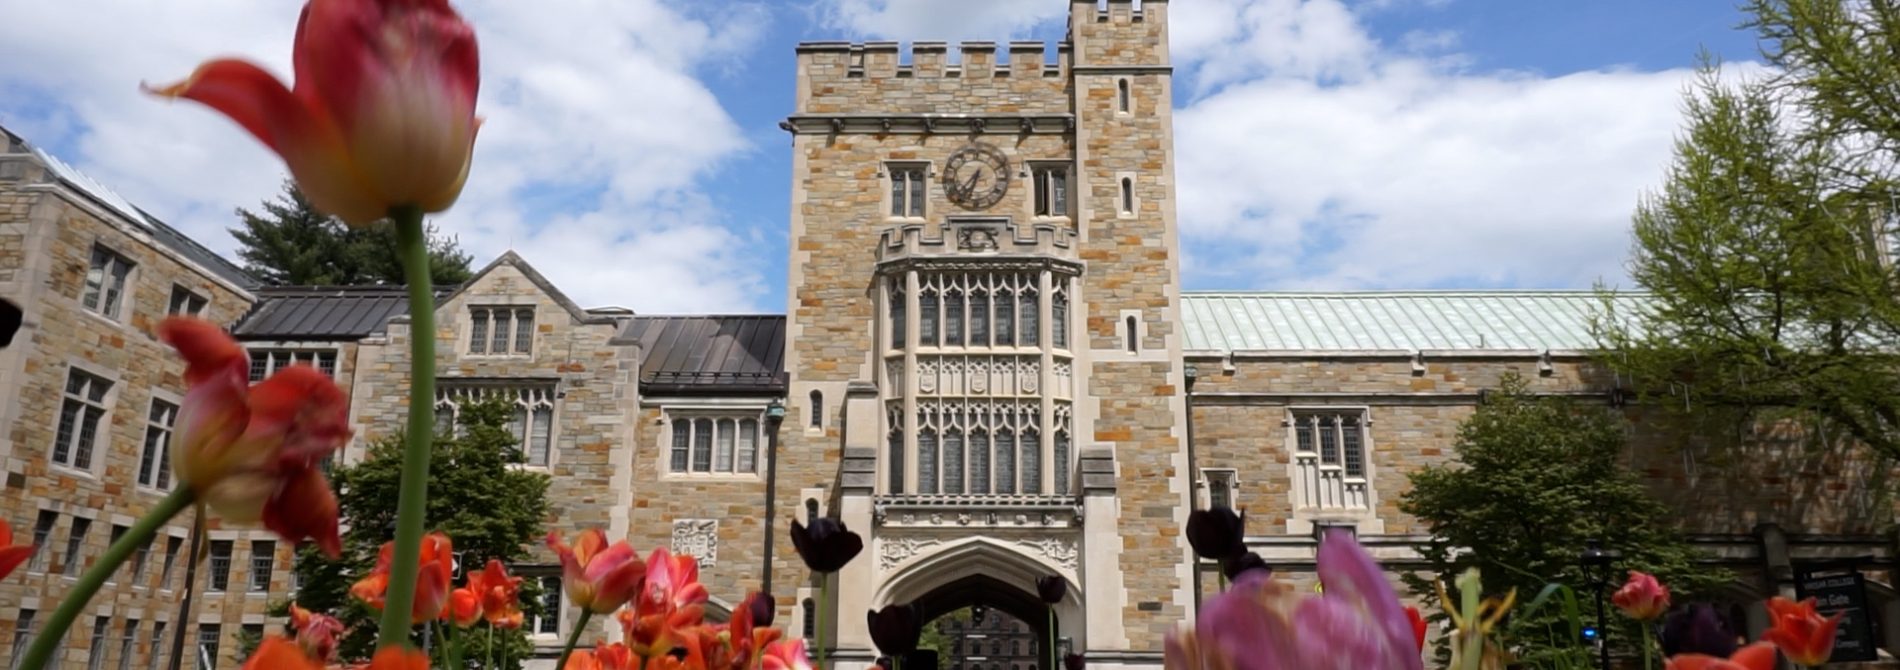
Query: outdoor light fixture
point(1596, 560)
point(774, 415)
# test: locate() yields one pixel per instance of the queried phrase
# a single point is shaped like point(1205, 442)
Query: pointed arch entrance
point(996, 575)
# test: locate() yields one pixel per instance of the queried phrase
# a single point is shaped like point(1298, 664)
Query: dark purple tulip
point(1233, 567)
point(1073, 662)
point(764, 608)
point(10, 319)
point(1051, 588)
point(1217, 534)
point(896, 629)
point(826, 545)
point(1697, 629)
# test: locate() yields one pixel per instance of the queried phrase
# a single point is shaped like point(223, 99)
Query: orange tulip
point(596, 576)
point(671, 598)
point(432, 580)
point(277, 653)
point(11, 556)
point(786, 655)
point(1642, 598)
point(500, 594)
point(1757, 656)
point(464, 608)
point(615, 656)
point(252, 452)
point(399, 658)
point(1800, 631)
point(383, 109)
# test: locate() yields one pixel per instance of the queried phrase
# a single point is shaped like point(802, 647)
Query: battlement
point(929, 59)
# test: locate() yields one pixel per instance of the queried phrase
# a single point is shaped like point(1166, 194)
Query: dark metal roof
point(204, 257)
point(323, 312)
point(724, 354)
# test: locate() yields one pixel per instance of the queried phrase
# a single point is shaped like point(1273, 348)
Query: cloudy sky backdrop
point(631, 150)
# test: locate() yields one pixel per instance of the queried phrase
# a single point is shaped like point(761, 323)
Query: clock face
point(976, 176)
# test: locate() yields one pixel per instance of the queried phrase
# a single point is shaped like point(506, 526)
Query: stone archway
point(988, 572)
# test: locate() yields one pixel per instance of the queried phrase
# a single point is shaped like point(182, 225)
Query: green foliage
point(1535, 480)
point(487, 507)
point(1768, 246)
point(290, 243)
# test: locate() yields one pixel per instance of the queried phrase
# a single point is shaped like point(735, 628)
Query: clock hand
point(969, 185)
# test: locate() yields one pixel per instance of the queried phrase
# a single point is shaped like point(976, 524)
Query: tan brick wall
point(46, 239)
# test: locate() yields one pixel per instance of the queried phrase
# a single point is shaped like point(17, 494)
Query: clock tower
point(982, 350)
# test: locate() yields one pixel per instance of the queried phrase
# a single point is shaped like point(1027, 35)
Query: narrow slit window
point(899, 316)
point(927, 461)
point(1059, 319)
point(1062, 462)
point(896, 463)
point(817, 409)
point(1129, 332)
point(1128, 195)
point(1125, 96)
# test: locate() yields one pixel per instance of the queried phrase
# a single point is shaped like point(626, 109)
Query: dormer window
point(501, 331)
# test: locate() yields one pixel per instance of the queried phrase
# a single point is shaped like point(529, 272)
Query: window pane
point(1328, 444)
point(69, 414)
point(95, 279)
point(518, 427)
point(1032, 461)
point(42, 531)
point(1219, 491)
point(702, 445)
point(1303, 431)
point(1030, 318)
point(524, 331)
point(1059, 190)
point(1062, 465)
point(682, 430)
point(953, 462)
point(549, 623)
point(927, 461)
point(1005, 318)
point(76, 544)
point(722, 457)
point(478, 331)
point(896, 464)
point(88, 436)
point(980, 319)
point(927, 319)
point(1005, 461)
point(499, 343)
point(917, 193)
point(208, 646)
point(953, 319)
point(748, 446)
point(263, 562)
point(979, 462)
point(899, 319)
point(1354, 446)
point(220, 565)
point(326, 362)
point(115, 285)
point(541, 442)
point(445, 419)
point(127, 639)
point(1059, 320)
point(897, 192)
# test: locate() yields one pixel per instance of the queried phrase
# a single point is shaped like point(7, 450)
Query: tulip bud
point(1051, 588)
point(1217, 534)
point(826, 545)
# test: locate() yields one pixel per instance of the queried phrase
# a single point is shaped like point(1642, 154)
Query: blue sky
point(632, 150)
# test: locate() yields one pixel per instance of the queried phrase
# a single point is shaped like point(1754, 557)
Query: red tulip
point(596, 576)
point(1642, 598)
point(1757, 656)
point(500, 594)
point(277, 653)
point(11, 556)
point(383, 109)
point(464, 608)
point(613, 657)
point(432, 579)
point(1801, 632)
point(1418, 625)
point(251, 452)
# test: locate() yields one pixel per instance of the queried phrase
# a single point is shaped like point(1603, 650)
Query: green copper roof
point(1394, 321)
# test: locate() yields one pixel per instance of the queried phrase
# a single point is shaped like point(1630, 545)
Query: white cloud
point(1314, 156)
point(599, 103)
point(952, 20)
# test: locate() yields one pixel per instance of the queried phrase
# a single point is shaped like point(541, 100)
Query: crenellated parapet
point(933, 77)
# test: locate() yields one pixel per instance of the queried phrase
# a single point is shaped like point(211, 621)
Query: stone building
point(986, 366)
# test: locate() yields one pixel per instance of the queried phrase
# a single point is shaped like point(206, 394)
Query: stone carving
point(1060, 551)
point(698, 538)
point(900, 549)
point(976, 239)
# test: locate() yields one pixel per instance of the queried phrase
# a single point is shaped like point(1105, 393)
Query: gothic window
point(953, 461)
point(1005, 317)
point(1059, 318)
point(953, 318)
point(927, 461)
point(980, 318)
point(898, 319)
point(548, 622)
point(531, 415)
point(896, 459)
point(979, 462)
point(927, 309)
point(713, 444)
point(1330, 448)
point(1032, 461)
point(1062, 462)
point(1005, 461)
point(1031, 313)
point(907, 191)
point(501, 331)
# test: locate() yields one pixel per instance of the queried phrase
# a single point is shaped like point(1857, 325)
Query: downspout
point(1192, 372)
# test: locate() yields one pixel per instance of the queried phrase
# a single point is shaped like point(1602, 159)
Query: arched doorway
point(951, 586)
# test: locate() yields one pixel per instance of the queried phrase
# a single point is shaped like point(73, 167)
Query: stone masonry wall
point(594, 380)
point(846, 78)
point(47, 234)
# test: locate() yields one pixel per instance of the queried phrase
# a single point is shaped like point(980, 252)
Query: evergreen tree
point(488, 508)
point(289, 243)
point(1535, 481)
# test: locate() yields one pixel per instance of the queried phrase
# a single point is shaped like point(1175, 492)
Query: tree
point(488, 508)
point(291, 243)
point(1535, 480)
point(1764, 254)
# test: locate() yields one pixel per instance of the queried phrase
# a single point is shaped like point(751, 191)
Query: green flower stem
point(75, 602)
point(489, 658)
point(1053, 665)
point(574, 638)
point(412, 498)
point(1649, 651)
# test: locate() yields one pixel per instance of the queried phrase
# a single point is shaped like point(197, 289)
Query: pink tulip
point(597, 576)
point(383, 113)
point(1642, 598)
point(1264, 624)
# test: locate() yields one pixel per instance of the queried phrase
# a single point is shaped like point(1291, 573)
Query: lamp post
point(1596, 561)
point(774, 415)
